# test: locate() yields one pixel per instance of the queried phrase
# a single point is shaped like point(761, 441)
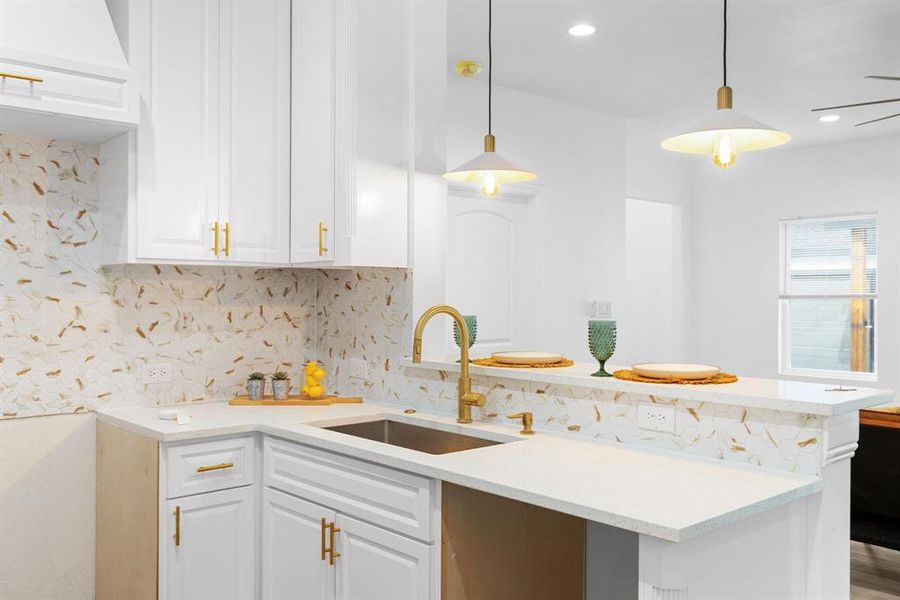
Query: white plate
point(526, 358)
point(682, 370)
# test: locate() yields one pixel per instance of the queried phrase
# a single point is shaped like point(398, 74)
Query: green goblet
point(602, 342)
point(471, 329)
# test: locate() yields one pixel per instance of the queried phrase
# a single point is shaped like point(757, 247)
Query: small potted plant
point(256, 386)
point(281, 385)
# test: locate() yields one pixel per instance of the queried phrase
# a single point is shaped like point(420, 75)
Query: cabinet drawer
point(61, 91)
point(209, 466)
point(393, 499)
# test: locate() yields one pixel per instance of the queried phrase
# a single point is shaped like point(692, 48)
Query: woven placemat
point(490, 362)
point(629, 375)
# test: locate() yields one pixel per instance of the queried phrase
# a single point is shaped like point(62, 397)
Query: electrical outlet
point(158, 373)
point(657, 417)
point(602, 309)
point(359, 369)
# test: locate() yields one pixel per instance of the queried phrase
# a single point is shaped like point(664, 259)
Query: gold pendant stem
point(724, 97)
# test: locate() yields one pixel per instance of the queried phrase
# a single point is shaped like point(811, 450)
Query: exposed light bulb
point(724, 151)
point(489, 185)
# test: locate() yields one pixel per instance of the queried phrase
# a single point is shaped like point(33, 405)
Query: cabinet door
point(177, 56)
point(210, 551)
point(255, 129)
point(292, 563)
point(312, 130)
point(376, 564)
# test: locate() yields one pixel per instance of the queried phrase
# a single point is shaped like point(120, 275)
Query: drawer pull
point(333, 555)
point(177, 525)
point(215, 230)
point(322, 248)
point(324, 527)
point(227, 239)
point(217, 467)
point(22, 77)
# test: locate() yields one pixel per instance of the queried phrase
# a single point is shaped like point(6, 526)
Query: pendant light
point(489, 169)
point(726, 133)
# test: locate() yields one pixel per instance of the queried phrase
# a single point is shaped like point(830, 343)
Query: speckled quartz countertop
point(665, 495)
point(775, 394)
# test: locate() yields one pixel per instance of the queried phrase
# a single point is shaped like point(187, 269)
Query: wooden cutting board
point(293, 401)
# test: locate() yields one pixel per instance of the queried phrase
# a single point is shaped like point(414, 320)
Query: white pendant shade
point(748, 134)
point(503, 170)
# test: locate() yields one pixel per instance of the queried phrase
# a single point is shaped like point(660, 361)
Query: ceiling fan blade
point(876, 120)
point(886, 77)
point(857, 104)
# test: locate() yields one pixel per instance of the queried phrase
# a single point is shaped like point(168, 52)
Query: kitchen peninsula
point(692, 523)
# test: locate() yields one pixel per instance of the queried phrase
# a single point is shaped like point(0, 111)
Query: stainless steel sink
point(413, 437)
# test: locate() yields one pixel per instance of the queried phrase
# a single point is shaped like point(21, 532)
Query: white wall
point(579, 156)
point(649, 280)
point(47, 469)
point(735, 245)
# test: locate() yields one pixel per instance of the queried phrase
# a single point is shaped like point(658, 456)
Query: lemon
point(315, 391)
point(311, 367)
point(319, 374)
point(305, 390)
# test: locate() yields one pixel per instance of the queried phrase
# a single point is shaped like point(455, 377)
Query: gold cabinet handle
point(332, 553)
point(324, 527)
point(218, 467)
point(227, 238)
point(177, 526)
point(22, 77)
point(527, 420)
point(322, 230)
point(215, 231)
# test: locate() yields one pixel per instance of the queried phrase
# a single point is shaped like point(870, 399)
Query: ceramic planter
point(281, 388)
point(256, 388)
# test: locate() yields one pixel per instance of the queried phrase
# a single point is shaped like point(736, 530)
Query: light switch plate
point(158, 373)
point(359, 369)
point(656, 417)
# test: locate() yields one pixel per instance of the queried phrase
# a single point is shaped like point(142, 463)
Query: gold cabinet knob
point(527, 421)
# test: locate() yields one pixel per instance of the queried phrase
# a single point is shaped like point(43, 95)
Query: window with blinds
point(828, 296)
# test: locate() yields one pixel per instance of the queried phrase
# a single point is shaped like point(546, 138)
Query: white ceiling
point(662, 59)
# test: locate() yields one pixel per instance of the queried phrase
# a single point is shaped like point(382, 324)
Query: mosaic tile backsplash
point(366, 314)
point(74, 336)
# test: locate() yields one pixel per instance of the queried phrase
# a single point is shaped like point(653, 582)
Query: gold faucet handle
point(474, 399)
point(527, 420)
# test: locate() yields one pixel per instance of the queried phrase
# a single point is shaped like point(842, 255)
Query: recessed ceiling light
point(830, 118)
point(582, 29)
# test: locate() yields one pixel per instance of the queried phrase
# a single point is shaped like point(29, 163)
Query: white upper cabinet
point(255, 98)
point(351, 132)
point(64, 72)
point(206, 176)
point(176, 49)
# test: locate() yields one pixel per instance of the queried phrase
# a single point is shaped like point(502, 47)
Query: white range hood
point(63, 72)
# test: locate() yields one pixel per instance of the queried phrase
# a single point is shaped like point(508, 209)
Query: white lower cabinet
point(226, 519)
point(211, 540)
point(294, 564)
point(370, 534)
point(377, 564)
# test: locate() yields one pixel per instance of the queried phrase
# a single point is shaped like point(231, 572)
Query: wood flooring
point(874, 572)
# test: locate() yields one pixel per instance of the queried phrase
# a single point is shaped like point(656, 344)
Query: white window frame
point(784, 334)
